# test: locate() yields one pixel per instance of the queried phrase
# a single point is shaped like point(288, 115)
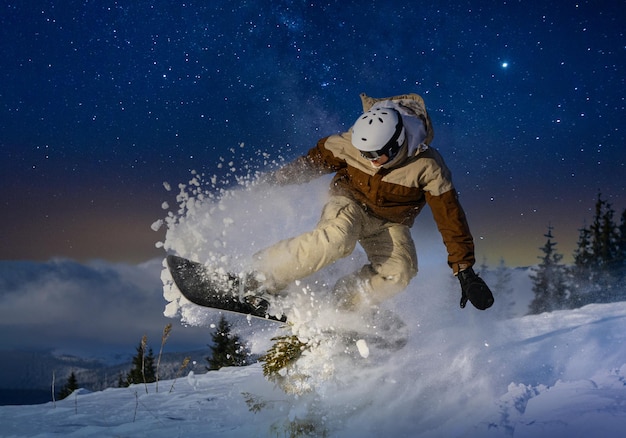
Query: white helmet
point(379, 131)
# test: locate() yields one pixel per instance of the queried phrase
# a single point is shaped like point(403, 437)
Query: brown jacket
point(397, 194)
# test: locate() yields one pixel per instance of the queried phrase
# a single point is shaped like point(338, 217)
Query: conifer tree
point(69, 387)
point(143, 370)
point(502, 287)
point(582, 272)
point(483, 269)
point(227, 349)
point(621, 246)
point(620, 259)
point(598, 258)
point(549, 279)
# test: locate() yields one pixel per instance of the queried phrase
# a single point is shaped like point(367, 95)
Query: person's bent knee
point(388, 284)
point(401, 275)
point(337, 239)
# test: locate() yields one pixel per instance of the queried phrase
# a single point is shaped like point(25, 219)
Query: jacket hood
point(415, 134)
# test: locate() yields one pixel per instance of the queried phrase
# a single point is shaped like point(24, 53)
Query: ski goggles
point(376, 155)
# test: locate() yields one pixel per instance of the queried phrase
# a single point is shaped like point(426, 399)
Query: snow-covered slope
point(462, 373)
point(554, 375)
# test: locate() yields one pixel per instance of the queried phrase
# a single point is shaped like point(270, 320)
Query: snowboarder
point(385, 172)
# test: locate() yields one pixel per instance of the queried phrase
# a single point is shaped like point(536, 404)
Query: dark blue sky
point(102, 101)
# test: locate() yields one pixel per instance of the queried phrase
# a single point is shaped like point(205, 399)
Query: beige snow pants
point(388, 245)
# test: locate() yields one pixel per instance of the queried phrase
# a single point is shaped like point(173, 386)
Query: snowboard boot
point(252, 291)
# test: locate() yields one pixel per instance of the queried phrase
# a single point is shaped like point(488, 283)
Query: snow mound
point(536, 379)
point(459, 373)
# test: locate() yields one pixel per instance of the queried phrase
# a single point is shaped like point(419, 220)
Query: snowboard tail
point(206, 288)
point(212, 290)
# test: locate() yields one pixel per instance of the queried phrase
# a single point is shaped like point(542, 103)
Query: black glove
point(474, 289)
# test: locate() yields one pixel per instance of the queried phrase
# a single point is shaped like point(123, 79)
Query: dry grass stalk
point(166, 333)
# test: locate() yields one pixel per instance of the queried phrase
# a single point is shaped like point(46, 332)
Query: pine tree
point(227, 348)
point(608, 238)
point(549, 279)
point(143, 370)
point(620, 259)
point(69, 387)
point(483, 269)
point(582, 273)
point(598, 258)
point(621, 246)
point(502, 288)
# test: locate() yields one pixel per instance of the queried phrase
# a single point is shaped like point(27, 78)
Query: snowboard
point(209, 289)
point(221, 292)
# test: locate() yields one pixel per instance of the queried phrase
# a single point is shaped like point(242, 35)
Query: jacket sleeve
point(317, 162)
point(452, 224)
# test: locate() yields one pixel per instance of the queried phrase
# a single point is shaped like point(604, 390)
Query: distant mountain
point(27, 376)
point(24, 396)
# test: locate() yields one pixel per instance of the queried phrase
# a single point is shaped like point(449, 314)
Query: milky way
point(100, 101)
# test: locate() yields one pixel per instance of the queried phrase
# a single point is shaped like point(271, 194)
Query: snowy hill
point(561, 374)
point(27, 375)
point(462, 372)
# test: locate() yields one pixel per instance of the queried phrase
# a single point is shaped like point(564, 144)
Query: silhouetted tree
point(621, 248)
point(599, 258)
point(69, 387)
point(143, 370)
point(227, 348)
point(549, 279)
point(503, 290)
point(583, 271)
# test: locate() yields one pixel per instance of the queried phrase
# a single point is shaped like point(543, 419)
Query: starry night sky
point(101, 101)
